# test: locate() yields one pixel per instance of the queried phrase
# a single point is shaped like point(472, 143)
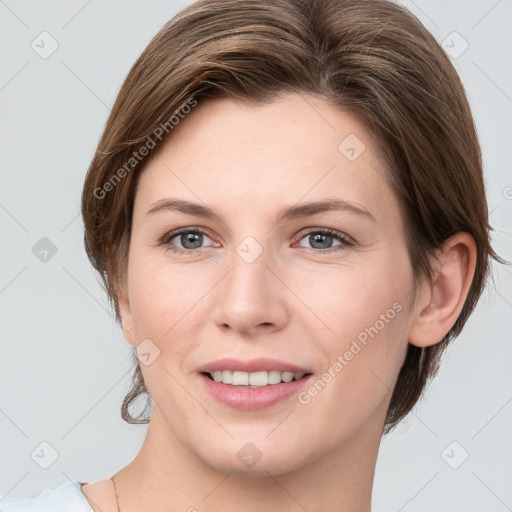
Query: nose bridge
point(250, 294)
point(250, 276)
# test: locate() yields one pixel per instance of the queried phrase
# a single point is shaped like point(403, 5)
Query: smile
point(253, 379)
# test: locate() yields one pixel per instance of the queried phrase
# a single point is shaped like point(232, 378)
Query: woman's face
point(250, 283)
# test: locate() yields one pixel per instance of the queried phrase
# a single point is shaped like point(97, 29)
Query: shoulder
point(68, 497)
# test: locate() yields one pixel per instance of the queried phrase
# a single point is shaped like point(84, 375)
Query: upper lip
point(254, 365)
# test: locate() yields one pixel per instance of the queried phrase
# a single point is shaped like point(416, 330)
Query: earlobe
point(440, 304)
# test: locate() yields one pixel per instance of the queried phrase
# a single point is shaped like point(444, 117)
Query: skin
point(295, 302)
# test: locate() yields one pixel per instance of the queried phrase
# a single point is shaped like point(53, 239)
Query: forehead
point(296, 148)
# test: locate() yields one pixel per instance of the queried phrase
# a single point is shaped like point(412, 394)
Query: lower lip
point(253, 399)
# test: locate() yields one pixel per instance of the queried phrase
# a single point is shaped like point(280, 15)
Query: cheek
point(351, 299)
point(363, 361)
point(365, 309)
point(167, 303)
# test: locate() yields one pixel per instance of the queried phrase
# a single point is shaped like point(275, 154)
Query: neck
point(166, 475)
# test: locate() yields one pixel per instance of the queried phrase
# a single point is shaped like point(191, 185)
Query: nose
point(251, 298)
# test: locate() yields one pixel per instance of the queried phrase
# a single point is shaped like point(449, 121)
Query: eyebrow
point(288, 212)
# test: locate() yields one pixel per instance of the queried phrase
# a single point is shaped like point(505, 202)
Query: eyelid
point(331, 231)
point(345, 240)
point(168, 236)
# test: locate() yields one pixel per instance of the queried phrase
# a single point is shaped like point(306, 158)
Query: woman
point(288, 211)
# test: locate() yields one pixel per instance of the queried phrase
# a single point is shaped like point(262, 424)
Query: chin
point(258, 458)
point(274, 465)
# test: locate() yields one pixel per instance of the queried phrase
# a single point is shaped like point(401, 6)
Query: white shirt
point(66, 498)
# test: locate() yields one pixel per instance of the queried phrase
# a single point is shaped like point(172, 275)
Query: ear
point(440, 304)
point(123, 300)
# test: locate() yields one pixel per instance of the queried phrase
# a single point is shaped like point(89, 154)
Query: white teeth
point(254, 379)
point(227, 377)
point(274, 377)
point(258, 378)
point(287, 376)
point(240, 379)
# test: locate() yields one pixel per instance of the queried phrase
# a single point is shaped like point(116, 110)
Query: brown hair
point(370, 57)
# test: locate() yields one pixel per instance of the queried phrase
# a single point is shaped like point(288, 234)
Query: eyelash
point(345, 242)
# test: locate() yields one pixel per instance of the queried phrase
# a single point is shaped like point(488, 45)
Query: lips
point(252, 366)
point(264, 394)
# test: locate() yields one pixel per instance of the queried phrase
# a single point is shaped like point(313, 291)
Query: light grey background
point(64, 362)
